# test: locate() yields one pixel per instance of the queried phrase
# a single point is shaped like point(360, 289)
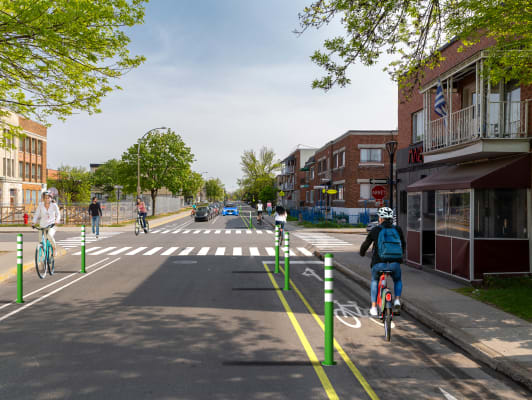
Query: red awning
point(505, 173)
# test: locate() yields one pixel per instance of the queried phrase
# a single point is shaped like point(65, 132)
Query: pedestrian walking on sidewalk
point(391, 237)
point(95, 211)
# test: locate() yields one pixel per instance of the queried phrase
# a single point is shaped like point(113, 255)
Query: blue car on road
point(230, 209)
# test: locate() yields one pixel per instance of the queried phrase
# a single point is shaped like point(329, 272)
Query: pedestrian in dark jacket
point(378, 264)
point(95, 211)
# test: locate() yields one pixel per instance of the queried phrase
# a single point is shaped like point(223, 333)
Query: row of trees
point(259, 171)
point(165, 162)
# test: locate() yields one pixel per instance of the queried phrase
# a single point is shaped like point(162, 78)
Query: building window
point(418, 131)
point(501, 213)
point(365, 191)
point(335, 160)
point(27, 200)
point(452, 213)
point(27, 176)
point(20, 169)
point(33, 146)
point(20, 144)
point(311, 172)
point(341, 159)
point(39, 173)
point(370, 155)
point(39, 148)
point(340, 194)
point(33, 172)
point(414, 212)
point(8, 173)
point(27, 146)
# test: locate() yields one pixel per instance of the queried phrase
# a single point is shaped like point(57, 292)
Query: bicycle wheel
point(40, 261)
point(147, 227)
point(388, 324)
point(137, 227)
point(51, 261)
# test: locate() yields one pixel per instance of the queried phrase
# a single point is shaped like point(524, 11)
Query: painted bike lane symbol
point(349, 314)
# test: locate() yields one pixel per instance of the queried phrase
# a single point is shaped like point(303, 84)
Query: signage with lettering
point(378, 192)
point(415, 155)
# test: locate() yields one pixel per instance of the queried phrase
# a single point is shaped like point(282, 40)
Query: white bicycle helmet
point(385, 213)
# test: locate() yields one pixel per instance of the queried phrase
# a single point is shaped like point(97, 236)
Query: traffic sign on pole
point(378, 192)
point(374, 181)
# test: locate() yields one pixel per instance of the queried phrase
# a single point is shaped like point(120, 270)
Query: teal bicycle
point(44, 255)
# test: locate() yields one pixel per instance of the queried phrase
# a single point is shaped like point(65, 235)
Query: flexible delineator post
point(19, 269)
point(286, 261)
point(276, 249)
point(250, 220)
point(329, 309)
point(82, 249)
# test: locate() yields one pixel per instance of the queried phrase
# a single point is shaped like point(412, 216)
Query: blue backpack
point(389, 244)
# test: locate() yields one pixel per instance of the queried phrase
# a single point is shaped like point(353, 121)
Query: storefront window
point(414, 212)
point(452, 213)
point(501, 213)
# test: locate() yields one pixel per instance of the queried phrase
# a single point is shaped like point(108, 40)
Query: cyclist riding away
point(141, 209)
point(260, 208)
point(388, 244)
point(47, 214)
point(280, 216)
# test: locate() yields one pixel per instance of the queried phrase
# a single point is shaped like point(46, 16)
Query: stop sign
point(378, 192)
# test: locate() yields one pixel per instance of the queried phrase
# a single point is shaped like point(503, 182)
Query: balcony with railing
point(500, 123)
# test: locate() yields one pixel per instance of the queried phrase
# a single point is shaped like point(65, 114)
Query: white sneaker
point(373, 312)
point(397, 307)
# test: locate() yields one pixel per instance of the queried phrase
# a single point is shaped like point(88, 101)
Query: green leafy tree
point(164, 162)
point(414, 30)
point(259, 172)
point(109, 175)
point(59, 57)
point(73, 184)
point(192, 185)
point(214, 189)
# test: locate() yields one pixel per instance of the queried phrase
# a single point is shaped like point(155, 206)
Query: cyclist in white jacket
point(47, 214)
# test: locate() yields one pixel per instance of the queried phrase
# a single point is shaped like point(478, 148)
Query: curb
point(13, 271)
point(446, 329)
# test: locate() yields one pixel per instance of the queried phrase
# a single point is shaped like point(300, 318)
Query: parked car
point(203, 213)
point(231, 209)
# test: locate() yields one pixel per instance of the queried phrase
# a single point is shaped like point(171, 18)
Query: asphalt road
point(183, 319)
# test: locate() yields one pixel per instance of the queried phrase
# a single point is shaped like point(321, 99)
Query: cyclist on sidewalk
point(141, 209)
point(385, 236)
point(47, 214)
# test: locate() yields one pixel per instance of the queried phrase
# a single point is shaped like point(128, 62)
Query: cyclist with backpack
point(388, 244)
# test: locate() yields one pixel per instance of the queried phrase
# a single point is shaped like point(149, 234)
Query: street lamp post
point(391, 147)
point(138, 157)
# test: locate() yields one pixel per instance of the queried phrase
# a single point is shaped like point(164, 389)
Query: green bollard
point(250, 220)
point(19, 269)
point(286, 262)
point(276, 249)
point(82, 249)
point(329, 310)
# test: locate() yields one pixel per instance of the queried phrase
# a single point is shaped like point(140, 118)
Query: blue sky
point(227, 75)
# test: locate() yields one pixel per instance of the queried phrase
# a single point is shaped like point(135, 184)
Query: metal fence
point(320, 215)
point(77, 214)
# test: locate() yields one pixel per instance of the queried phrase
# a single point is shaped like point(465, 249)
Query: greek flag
point(440, 107)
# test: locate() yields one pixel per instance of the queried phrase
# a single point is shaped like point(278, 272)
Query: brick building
point(291, 180)
point(345, 164)
point(464, 179)
point(23, 169)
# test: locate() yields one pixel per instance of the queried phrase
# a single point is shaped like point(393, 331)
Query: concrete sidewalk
point(489, 335)
point(8, 250)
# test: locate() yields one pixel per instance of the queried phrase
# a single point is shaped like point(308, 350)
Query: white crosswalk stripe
point(102, 251)
point(152, 251)
point(237, 251)
point(220, 251)
point(323, 241)
point(207, 231)
point(87, 251)
point(177, 231)
point(196, 231)
point(203, 251)
point(186, 231)
point(75, 241)
point(248, 231)
point(187, 251)
point(169, 251)
point(238, 231)
point(253, 251)
point(116, 252)
point(217, 232)
point(304, 251)
point(136, 251)
point(270, 251)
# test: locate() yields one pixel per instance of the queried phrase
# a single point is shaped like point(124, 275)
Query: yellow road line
point(326, 383)
point(339, 348)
